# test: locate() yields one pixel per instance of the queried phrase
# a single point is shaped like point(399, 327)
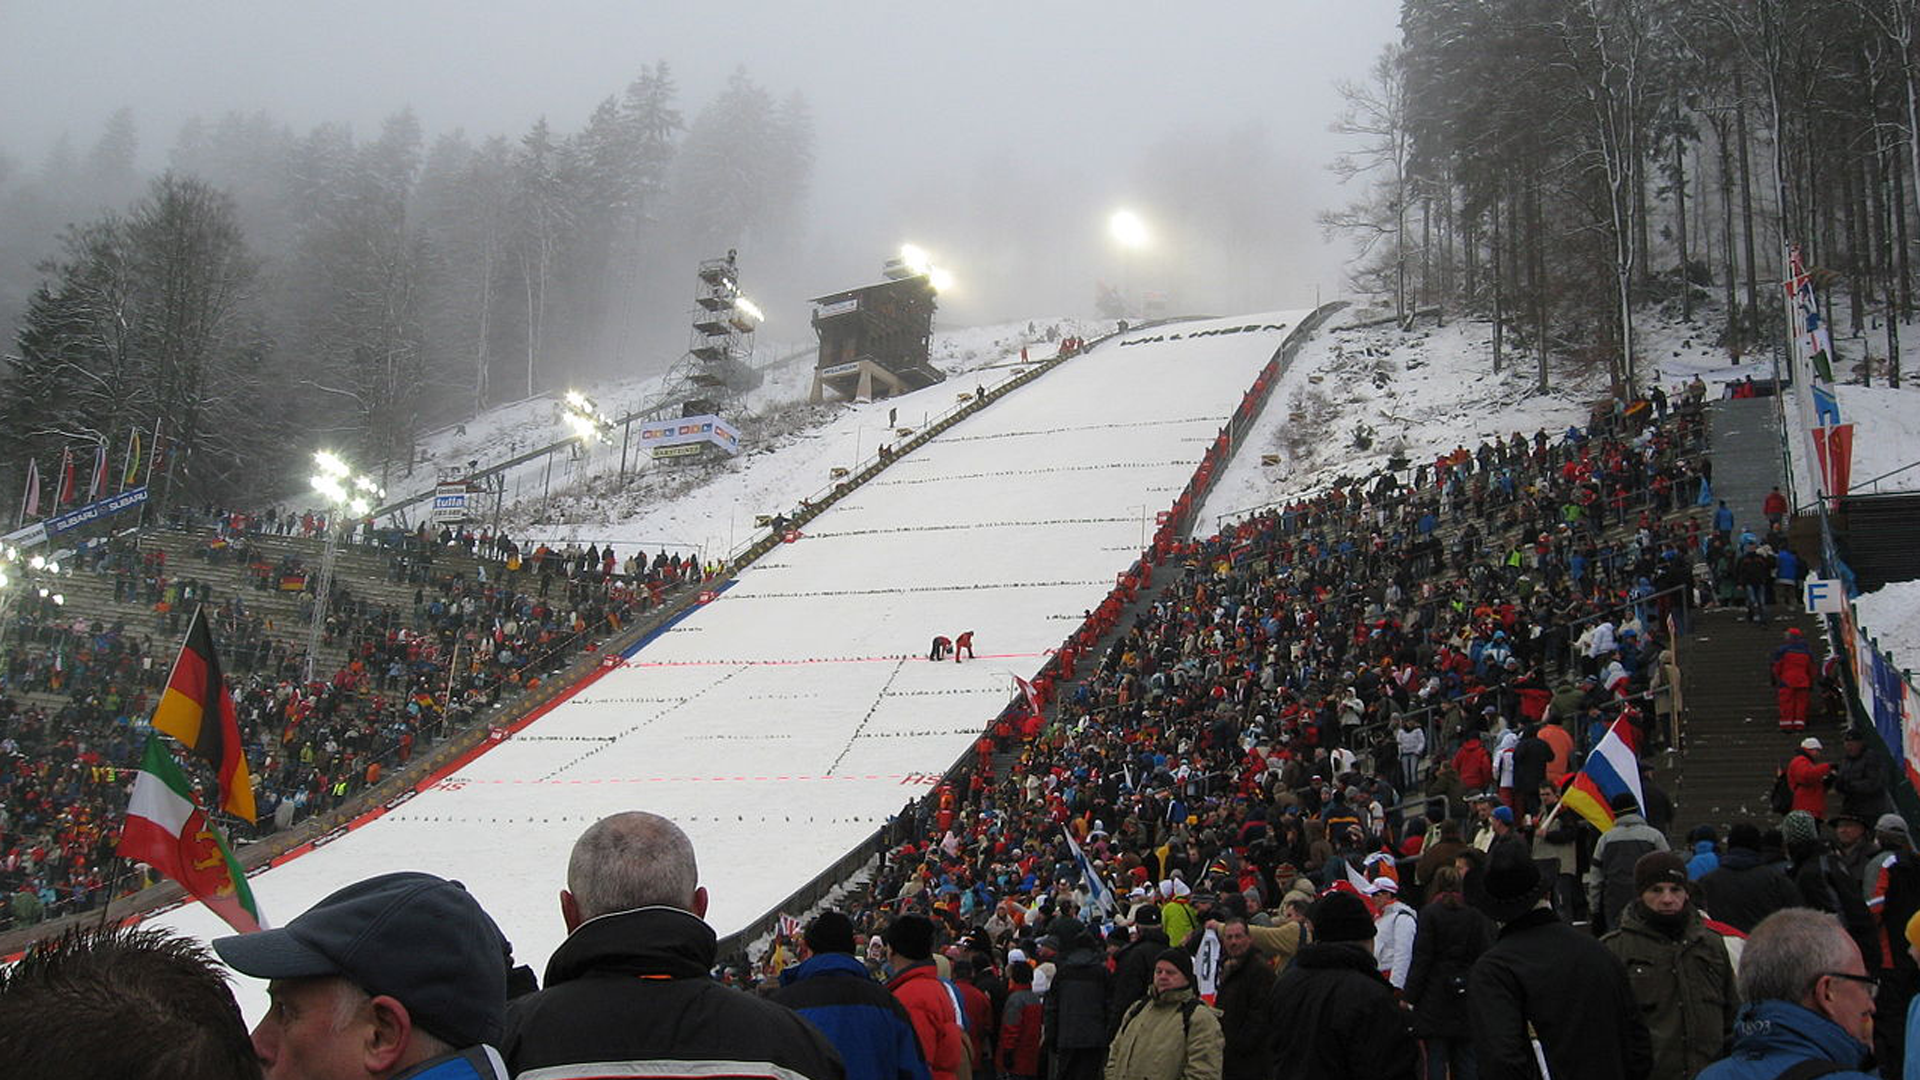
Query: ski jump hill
point(784, 720)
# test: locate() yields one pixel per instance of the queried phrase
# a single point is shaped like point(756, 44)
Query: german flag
point(197, 710)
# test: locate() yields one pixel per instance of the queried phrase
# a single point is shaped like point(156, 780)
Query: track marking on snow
point(608, 741)
point(867, 719)
point(1085, 427)
point(887, 659)
point(1108, 466)
point(963, 526)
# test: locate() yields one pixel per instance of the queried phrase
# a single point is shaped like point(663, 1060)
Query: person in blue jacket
point(862, 1019)
point(1809, 1003)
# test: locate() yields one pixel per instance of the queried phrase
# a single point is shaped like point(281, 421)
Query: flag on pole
point(1099, 895)
point(167, 830)
point(65, 494)
point(1033, 696)
point(97, 485)
point(789, 926)
point(30, 502)
point(131, 471)
point(1610, 769)
point(196, 709)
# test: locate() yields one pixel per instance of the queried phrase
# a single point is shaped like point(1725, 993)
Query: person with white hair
point(1809, 1002)
point(628, 992)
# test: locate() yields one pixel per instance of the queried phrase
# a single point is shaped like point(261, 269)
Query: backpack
point(1780, 799)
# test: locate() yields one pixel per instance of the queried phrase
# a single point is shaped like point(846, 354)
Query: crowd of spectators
point(76, 689)
point(1382, 684)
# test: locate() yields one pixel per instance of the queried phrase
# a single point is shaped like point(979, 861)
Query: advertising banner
point(690, 430)
point(450, 504)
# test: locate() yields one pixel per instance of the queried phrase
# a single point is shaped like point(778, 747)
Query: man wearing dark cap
point(1678, 969)
point(1333, 1015)
point(1545, 991)
point(1745, 889)
point(1133, 967)
point(864, 1021)
point(932, 1007)
point(628, 993)
point(401, 975)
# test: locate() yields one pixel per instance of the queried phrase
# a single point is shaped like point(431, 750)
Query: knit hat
point(911, 936)
point(1340, 916)
point(1891, 823)
point(830, 932)
point(1745, 835)
point(1798, 827)
point(1178, 958)
point(1656, 867)
point(1503, 814)
point(1148, 915)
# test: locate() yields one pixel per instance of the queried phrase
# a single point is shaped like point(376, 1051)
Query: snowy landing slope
point(783, 722)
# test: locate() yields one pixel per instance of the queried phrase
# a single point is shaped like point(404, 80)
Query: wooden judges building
point(873, 340)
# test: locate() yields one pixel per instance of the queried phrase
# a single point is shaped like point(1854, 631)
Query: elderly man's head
point(627, 861)
point(1807, 957)
point(375, 979)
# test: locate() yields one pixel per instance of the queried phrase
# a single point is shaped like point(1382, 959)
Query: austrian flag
point(168, 831)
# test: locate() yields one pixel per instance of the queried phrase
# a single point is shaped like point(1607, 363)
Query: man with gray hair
point(1809, 1008)
point(629, 992)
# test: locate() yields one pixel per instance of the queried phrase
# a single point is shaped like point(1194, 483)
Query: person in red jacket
point(931, 1004)
point(1807, 776)
point(1473, 763)
point(963, 644)
point(1793, 680)
point(1020, 1025)
point(1775, 507)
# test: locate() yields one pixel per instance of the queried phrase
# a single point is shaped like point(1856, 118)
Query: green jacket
point(1684, 988)
point(1157, 1043)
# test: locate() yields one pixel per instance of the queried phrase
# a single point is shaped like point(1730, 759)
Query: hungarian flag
point(168, 831)
point(197, 710)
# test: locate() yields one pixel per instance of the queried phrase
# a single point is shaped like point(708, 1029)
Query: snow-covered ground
point(1891, 614)
point(785, 720)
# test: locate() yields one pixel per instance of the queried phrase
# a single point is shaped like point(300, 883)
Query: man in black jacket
point(1133, 967)
point(1543, 980)
point(1075, 1025)
point(1246, 985)
point(1745, 889)
point(1332, 1015)
point(628, 992)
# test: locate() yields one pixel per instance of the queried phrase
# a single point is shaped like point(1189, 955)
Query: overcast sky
point(919, 108)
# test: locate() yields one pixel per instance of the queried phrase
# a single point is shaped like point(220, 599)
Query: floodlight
point(330, 463)
point(1127, 229)
point(915, 258)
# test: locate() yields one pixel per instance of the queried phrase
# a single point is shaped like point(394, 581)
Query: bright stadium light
point(914, 258)
point(941, 280)
point(1128, 230)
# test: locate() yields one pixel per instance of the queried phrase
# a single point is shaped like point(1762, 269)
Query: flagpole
point(113, 888)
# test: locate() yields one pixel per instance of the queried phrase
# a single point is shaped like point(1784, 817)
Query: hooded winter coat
point(1334, 1017)
point(1162, 1039)
point(934, 1010)
point(1684, 987)
point(1770, 1037)
point(1544, 975)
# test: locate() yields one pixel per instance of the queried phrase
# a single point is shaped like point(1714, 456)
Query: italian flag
point(168, 831)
